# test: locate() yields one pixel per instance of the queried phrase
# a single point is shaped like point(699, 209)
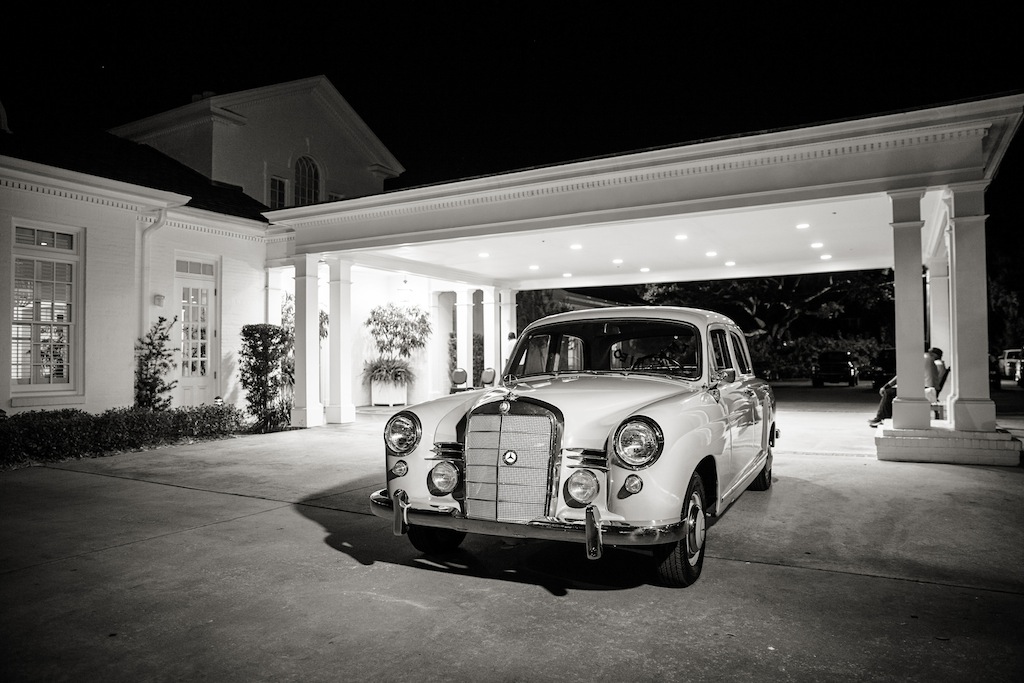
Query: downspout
point(161, 220)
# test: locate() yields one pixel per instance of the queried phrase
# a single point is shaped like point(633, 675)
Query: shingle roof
point(108, 156)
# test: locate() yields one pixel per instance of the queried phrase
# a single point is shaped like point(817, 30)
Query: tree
point(536, 304)
point(154, 360)
point(772, 306)
point(263, 358)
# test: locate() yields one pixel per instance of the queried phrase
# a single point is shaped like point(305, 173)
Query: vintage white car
point(615, 426)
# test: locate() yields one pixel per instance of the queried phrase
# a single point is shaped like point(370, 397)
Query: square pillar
point(306, 409)
point(491, 329)
point(508, 330)
point(911, 409)
point(340, 407)
point(971, 407)
point(464, 332)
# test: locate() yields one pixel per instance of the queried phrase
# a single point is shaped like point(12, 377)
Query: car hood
point(592, 405)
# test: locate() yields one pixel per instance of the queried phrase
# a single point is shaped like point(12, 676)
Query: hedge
point(54, 435)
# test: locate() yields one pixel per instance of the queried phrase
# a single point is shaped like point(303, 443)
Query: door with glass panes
point(195, 287)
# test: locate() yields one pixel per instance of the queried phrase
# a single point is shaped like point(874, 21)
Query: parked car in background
point(611, 427)
point(883, 367)
point(835, 367)
point(1010, 364)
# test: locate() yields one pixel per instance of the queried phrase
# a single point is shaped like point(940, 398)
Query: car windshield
point(619, 346)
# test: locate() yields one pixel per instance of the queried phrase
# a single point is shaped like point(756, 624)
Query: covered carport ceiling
point(805, 200)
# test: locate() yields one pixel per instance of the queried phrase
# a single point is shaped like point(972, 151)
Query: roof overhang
point(659, 215)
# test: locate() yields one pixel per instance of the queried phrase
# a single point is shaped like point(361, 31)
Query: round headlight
point(633, 484)
point(402, 433)
point(638, 443)
point(582, 486)
point(400, 469)
point(444, 477)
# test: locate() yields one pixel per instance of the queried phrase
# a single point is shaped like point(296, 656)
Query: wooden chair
point(459, 378)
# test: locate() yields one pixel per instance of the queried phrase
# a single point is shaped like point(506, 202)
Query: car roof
point(695, 316)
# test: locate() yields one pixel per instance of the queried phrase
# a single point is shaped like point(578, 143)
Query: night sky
point(455, 91)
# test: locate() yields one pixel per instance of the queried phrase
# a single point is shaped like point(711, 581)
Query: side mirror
point(727, 376)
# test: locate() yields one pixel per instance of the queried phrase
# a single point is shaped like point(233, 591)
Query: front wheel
point(679, 564)
point(433, 541)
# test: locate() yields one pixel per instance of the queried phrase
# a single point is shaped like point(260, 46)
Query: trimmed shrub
point(55, 435)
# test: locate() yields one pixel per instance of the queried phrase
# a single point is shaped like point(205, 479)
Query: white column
point(971, 408)
point(491, 329)
point(275, 295)
point(464, 332)
point(508, 325)
point(307, 411)
point(939, 332)
point(910, 410)
point(438, 372)
point(340, 406)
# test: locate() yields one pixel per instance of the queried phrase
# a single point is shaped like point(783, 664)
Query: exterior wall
point(190, 144)
point(241, 289)
point(274, 136)
point(109, 307)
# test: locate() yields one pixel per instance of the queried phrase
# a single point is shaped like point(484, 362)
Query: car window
point(650, 346)
point(570, 354)
point(720, 358)
point(741, 353)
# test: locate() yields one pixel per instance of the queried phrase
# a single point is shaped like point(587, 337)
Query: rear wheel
point(679, 564)
point(763, 481)
point(432, 541)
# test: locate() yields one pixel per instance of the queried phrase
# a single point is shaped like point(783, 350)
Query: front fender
point(690, 437)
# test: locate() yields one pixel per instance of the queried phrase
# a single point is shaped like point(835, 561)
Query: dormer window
point(307, 182)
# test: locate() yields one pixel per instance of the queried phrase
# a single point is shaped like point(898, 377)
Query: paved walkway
point(256, 559)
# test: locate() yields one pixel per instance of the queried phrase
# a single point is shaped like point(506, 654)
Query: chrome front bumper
point(591, 532)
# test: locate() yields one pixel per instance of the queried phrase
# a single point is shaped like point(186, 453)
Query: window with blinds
point(45, 334)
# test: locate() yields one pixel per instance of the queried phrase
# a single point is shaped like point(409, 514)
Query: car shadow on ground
point(558, 567)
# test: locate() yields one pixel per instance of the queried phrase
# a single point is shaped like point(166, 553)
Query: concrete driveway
point(256, 559)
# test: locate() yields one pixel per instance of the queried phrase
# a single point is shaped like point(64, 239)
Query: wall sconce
point(158, 300)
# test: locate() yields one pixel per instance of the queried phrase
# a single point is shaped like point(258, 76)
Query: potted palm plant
point(397, 331)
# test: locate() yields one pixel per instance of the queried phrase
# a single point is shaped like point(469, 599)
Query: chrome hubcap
point(696, 529)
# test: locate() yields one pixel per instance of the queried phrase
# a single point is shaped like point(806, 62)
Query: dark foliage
point(154, 360)
point(55, 435)
point(264, 374)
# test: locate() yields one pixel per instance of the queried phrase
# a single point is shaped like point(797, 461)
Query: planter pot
point(387, 394)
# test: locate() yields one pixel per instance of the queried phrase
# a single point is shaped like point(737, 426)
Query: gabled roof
point(226, 109)
point(108, 156)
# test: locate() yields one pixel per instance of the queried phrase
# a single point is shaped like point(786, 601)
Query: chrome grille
point(499, 491)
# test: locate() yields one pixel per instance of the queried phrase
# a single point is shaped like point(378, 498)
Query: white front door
point(199, 367)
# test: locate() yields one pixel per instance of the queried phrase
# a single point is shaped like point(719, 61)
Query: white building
point(902, 191)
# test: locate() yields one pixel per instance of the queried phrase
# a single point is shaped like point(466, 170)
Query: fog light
point(633, 484)
point(582, 486)
point(444, 477)
point(400, 469)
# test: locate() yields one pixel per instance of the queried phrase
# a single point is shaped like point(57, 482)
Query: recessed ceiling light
point(730, 263)
point(566, 274)
point(802, 226)
point(577, 247)
point(711, 253)
point(681, 237)
point(826, 257)
point(534, 267)
point(616, 261)
point(645, 269)
point(817, 245)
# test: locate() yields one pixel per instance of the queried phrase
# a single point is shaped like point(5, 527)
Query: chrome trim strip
point(448, 518)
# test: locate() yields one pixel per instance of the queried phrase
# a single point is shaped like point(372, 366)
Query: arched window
point(307, 182)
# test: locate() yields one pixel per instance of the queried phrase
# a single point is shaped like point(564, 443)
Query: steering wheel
point(655, 362)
